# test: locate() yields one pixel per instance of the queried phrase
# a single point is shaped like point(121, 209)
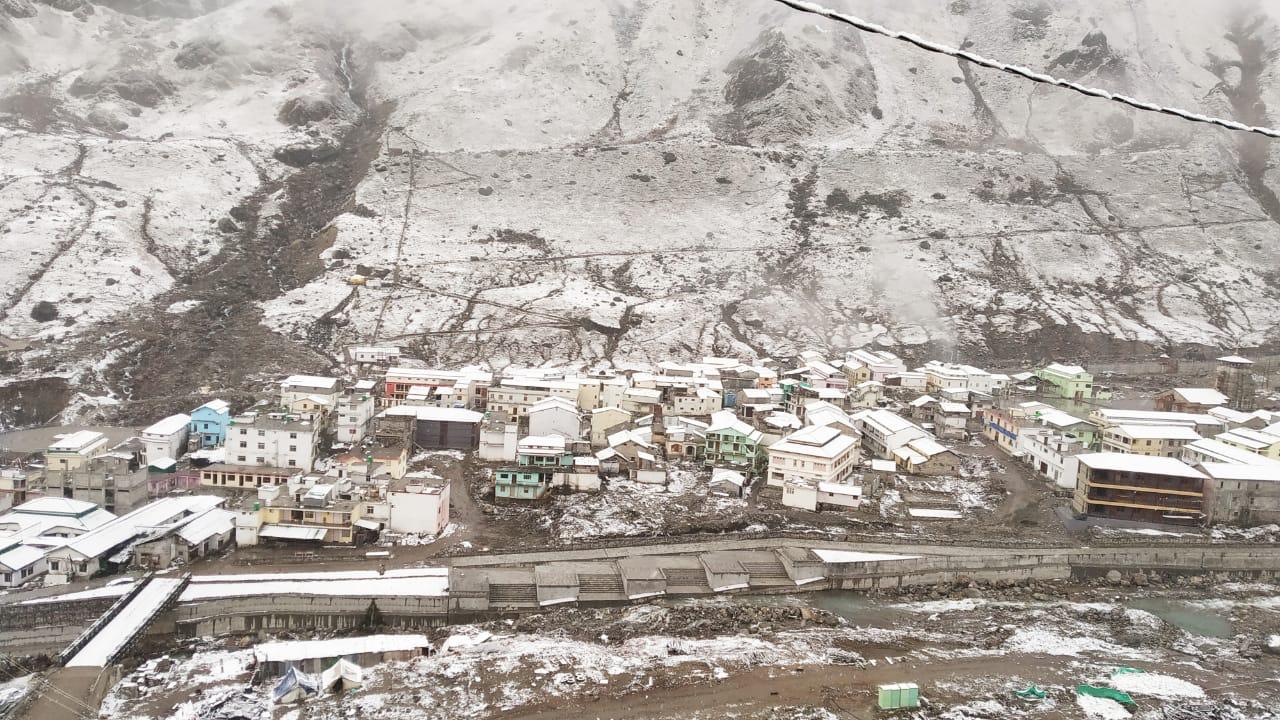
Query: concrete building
point(883, 432)
point(1234, 379)
point(1141, 488)
point(538, 459)
point(1161, 440)
point(208, 427)
point(297, 388)
point(515, 396)
point(951, 420)
point(277, 440)
point(166, 440)
point(1210, 450)
point(1264, 442)
point(434, 428)
point(115, 480)
point(1241, 494)
point(555, 416)
point(732, 443)
point(1052, 454)
point(926, 456)
point(812, 455)
point(1203, 424)
point(497, 441)
point(418, 504)
point(200, 535)
point(940, 376)
point(862, 365)
point(1070, 382)
point(606, 421)
point(30, 529)
point(354, 414)
point(72, 451)
point(1190, 400)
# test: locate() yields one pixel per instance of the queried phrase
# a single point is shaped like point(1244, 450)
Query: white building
point(1051, 454)
point(812, 455)
point(166, 439)
point(373, 355)
point(272, 440)
point(497, 441)
point(951, 419)
point(555, 416)
point(420, 506)
point(299, 387)
point(884, 431)
point(877, 364)
point(940, 375)
point(71, 452)
point(355, 413)
point(515, 396)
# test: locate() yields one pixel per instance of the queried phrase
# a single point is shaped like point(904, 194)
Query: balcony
point(1147, 500)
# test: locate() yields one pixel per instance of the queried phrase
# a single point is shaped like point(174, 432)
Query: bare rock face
point(107, 117)
point(1093, 55)
point(80, 8)
point(303, 154)
point(17, 8)
point(145, 88)
point(306, 109)
point(199, 53)
point(165, 8)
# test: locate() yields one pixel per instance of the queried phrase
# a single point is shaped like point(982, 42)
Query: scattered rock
point(44, 311)
point(303, 154)
point(306, 109)
point(668, 158)
point(199, 53)
point(486, 191)
point(227, 225)
point(1114, 577)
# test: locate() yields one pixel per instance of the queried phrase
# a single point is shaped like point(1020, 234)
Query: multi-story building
point(811, 456)
point(1241, 494)
point(272, 440)
point(1142, 488)
point(70, 452)
point(303, 513)
point(538, 459)
point(951, 420)
point(940, 375)
point(1071, 382)
point(1190, 400)
point(1210, 450)
point(1265, 442)
point(296, 388)
point(555, 416)
point(1162, 440)
point(1202, 423)
point(165, 441)
point(862, 365)
point(884, 431)
point(732, 443)
point(246, 477)
point(354, 413)
point(208, 427)
point(1052, 454)
point(1235, 379)
point(115, 480)
point(515, 396)
point(418, 504)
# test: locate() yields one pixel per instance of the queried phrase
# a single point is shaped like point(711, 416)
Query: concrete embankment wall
point(47, 628)
point(235, 615)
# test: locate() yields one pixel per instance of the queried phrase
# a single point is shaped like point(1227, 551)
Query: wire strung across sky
point(1020, 71)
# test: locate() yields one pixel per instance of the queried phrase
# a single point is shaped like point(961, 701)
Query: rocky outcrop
point(141, 87)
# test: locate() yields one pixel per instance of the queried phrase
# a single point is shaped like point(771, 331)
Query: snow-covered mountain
point(188, 186)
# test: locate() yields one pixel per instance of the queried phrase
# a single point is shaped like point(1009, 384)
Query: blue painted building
point(209, 423)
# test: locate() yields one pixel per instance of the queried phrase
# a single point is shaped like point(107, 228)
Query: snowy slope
point(630, 178)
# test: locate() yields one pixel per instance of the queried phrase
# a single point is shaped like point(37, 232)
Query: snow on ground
point(1032, 640)
point(1155, 685)
point(1101, 708)
point(215, 672)
point(627, 509)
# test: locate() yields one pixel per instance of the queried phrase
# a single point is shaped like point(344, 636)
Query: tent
point(293, 686)
point(342, 676)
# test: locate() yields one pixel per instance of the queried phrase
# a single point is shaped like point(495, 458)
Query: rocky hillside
point(187, 186)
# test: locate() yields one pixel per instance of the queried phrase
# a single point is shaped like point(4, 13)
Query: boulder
point(1114, 577)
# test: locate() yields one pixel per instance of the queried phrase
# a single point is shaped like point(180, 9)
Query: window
point(293, 436)
point(293, 448)
point(262, 461)
point(244, 444)
point(262, 433)
point(262, 446)
point(293, 463)
point(240, 458)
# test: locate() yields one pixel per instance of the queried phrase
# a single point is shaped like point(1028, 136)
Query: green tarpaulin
point(1031, 693)
point(1125, 671)
point(1108, 693)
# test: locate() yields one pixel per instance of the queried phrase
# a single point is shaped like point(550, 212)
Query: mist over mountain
point(188, 187)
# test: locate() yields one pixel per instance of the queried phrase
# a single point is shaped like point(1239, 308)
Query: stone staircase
point(517, 594)
point(686, 577)
point(600, 584)
point(767, 572)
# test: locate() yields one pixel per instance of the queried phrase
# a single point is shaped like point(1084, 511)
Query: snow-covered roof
point(77, 441)
point(214, 521)
point(953, 407)
point(879, 465)
point(1201, 396)
point(1158, 432)
point(732, 477)
point(1248, 438)
point(408, 582)
point(1235, 359)
point(922, 401)
point(172, 425)
point(534, 444)
point(927, 446)
point(20, 557)
point(1236, 471)
point(1222, 452)
point(821, 441)
point(1149, 464)
point(934, 513)
point(52, 505)
point(834, 488)
point(1061, 369)
point(727, 420)
point(309, 381)
point(885, 421)
point(435, 414)
point(118, 531)
point(554, 402)
point(297, 650)
point(221, 407)
point(783, 420)
point(291, 532)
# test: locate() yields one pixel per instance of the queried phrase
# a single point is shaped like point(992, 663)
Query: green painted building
point(538, 460)
point(1070, 382)
point(733, 443)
